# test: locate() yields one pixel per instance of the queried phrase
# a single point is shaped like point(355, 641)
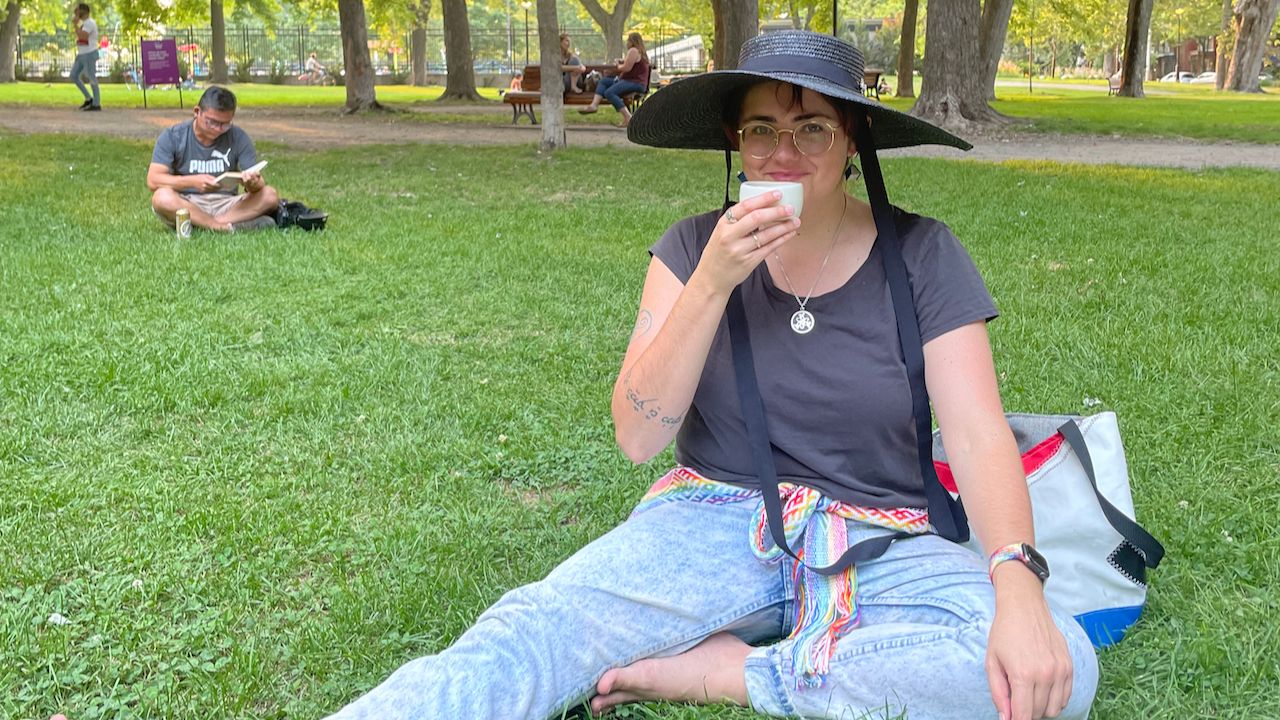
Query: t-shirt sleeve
point(246, 153)
point(680, 247)
point(165, 153)
point(948, 289)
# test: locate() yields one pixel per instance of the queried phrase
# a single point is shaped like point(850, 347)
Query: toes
point(607, 681)
point(603, 704)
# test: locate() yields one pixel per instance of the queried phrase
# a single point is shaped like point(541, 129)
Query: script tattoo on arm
point(649, 408)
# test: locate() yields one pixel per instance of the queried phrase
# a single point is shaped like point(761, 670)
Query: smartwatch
point(1023, 553)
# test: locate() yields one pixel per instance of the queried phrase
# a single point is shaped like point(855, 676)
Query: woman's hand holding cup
point(744, 236)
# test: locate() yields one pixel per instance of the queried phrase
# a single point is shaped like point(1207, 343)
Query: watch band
point(1021, 552)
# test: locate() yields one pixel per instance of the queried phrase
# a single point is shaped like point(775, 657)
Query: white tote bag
point(1084, 520)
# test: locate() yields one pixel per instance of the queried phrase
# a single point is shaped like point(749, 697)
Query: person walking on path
point(86, 32)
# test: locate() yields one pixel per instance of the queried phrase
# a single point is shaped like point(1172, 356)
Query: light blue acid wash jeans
point(87, 64)
point(675, 574)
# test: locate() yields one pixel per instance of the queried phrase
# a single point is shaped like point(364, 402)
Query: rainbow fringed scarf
point(826, 607)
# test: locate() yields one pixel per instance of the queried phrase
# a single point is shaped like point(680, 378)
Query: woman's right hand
point(741, 241)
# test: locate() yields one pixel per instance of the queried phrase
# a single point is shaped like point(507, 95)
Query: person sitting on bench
point(633, 73)
point(571, 67)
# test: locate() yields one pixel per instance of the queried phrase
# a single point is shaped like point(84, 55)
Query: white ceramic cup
point(792, 192)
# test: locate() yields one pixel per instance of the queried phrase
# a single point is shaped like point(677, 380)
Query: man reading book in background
point(190, 156)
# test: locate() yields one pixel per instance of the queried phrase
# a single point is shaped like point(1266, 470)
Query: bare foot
point(711, 672)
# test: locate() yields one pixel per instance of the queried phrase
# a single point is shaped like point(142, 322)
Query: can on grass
point(182, 223)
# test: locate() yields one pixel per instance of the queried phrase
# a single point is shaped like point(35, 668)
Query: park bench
point(871, 81)
point(530, 94)
point(1113, 85)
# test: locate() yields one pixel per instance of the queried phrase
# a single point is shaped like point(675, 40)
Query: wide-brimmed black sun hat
point(688, 113)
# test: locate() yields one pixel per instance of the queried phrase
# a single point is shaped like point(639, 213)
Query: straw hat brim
point(687, 113)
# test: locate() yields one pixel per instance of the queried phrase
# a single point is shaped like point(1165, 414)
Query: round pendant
point(802, 321)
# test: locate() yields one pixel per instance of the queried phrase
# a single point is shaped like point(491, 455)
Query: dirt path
point(319, 128)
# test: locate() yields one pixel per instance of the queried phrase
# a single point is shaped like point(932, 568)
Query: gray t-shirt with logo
point(837, 400)
point(178, 148)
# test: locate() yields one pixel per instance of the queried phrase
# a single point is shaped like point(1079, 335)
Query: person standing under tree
point(86, 32)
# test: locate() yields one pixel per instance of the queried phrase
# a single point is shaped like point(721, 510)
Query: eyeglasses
point(812, 137)
point(214, 124)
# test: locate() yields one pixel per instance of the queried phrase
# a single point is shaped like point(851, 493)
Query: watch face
point(1036, 562)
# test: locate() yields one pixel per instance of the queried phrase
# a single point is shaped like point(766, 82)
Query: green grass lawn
point(405, 98)
point(1196, 111)
point(1192, 111)
point(248, 94)
point(256, 473)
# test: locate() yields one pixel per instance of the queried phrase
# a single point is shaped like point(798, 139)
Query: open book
point(230, 179)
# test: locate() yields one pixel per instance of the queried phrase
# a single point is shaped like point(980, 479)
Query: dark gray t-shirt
point(178, 148)
point(837, 399)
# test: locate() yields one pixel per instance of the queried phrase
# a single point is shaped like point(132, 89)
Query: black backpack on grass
point(293, 213)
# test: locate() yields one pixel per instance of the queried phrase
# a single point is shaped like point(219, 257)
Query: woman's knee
point(1084, 664)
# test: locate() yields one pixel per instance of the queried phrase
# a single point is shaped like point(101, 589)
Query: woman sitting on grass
point(689, 600)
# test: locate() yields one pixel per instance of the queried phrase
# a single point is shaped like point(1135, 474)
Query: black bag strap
point(946, 514)
point(1148, 547)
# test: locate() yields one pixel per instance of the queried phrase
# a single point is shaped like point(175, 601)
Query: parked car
point(1182, 76)
point(1205, 77)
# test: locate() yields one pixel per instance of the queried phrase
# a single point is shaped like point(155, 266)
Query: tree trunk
point(218, 44)
point(1225, 42)
point(1134, 66)
point(9, 41)
point(460, 84)
point(418, 52)
point(355, 57)
point(1110, 61)
point(717, 44)
point(741, 23)
point(552, 89)
point(907, 50)
point(612, 24)
point(952, 95)
point(418, 42)
point(995, 26)
point(1253, 21)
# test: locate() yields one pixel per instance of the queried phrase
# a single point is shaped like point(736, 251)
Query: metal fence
point(279, 54)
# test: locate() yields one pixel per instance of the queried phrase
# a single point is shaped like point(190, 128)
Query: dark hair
point(731, 112)
point(84, 8)
point(218, 98)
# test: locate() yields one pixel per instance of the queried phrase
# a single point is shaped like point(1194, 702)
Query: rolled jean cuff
point(765, 683)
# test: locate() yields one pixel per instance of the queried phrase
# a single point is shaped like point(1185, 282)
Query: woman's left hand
point(1028, 665)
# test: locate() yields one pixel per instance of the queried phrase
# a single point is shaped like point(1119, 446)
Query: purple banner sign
point(160, 62)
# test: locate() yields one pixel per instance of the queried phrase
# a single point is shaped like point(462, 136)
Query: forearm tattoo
point(649, 408)
point(644, 323)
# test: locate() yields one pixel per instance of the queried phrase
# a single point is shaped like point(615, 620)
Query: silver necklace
point(802, 321)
